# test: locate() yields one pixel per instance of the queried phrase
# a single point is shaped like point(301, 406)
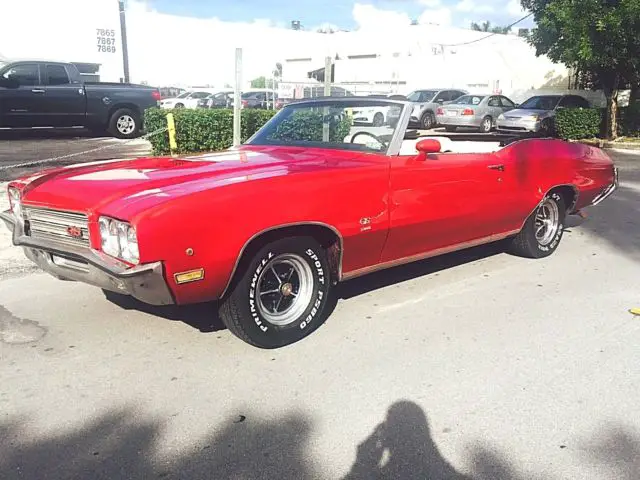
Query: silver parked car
point(426, 103)
point(476, 111)
point(537, 114)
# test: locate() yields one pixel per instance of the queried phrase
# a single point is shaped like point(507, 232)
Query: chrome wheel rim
point(284, 289)
point(486, 125)
point(126, 124)
point(547, 222)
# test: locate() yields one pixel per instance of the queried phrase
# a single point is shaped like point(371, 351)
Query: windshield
point(469, 100)
point(366, 126)
point(541, 103)
point(184, 95)
point(421, 96)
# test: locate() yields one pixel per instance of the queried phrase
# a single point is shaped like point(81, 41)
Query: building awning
point(319, 74)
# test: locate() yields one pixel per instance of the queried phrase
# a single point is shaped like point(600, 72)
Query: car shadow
point(204, 316)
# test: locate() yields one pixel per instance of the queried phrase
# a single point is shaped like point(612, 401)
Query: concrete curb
point(632, 146)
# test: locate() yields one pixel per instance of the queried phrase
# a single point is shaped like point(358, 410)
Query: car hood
point(123, 188)
point(520, 113)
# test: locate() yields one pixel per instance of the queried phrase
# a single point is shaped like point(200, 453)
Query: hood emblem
point(75, 232)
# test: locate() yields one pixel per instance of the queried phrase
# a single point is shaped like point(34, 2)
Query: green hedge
point(201, 130)
point(578, 123)
point(629, 121)
point(308, 125)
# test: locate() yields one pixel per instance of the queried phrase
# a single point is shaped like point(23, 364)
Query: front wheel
point(282, 294)
point(543, 230)
point(378, 120)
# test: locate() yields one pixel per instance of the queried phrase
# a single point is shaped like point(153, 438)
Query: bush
point(629, 121)
point(307, 126)
point(201, 130)
point(579, 123)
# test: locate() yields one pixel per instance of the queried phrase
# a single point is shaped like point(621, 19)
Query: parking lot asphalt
point(55, 148)
point(473, 365)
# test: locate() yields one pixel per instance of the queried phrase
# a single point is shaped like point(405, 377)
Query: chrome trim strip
point(608, 191)
point(279, 227)
point(430, 254)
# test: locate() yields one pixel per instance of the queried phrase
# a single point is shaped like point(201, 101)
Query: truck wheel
point(281, 295)
point(124, 123)
point(543, 230)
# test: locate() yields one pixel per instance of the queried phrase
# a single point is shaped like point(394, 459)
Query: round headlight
point(109, 237)
point(128, 243)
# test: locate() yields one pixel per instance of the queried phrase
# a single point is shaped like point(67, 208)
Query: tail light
point(468, 111)
point(245, 103)
point(440, 111)
point(156, 95)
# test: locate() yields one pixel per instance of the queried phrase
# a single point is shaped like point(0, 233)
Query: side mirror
point(428, 145)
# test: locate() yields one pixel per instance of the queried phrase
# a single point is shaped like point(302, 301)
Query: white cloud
point(514, 7)
point(369, 17)
point(430, 3)
point(440, 16)
point(472, 6)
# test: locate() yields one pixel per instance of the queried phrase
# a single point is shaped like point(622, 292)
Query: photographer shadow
point(402, 447)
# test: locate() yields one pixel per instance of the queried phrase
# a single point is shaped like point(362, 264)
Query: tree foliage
point(599, 38)
point(487, 27)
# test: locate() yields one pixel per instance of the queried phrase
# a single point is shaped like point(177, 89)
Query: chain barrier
point(70, 155)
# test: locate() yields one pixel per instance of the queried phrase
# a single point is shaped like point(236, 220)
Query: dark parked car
point(53, 94)
point(222, 99)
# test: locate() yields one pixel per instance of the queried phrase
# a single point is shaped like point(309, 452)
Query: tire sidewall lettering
point(314, 307)
point(558, 236)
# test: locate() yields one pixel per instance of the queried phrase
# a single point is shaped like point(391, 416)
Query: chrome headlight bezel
point(15, 202)
point(119, 239)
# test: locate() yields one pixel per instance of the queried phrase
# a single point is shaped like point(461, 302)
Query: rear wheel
point(486, 125)
point(543, 230)
point(281, 295)
point(427, 121)
point(125, 123)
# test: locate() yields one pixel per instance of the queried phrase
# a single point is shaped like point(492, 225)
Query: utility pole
point(237, 99)
point(125, 49)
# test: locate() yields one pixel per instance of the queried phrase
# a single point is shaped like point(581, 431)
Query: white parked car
point(187, 99)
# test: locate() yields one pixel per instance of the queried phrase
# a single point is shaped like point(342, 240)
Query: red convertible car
point(270, 227)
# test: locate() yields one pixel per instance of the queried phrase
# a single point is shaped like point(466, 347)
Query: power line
point(487, 36)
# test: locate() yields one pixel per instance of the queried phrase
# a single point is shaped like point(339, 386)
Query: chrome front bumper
point(144, 282)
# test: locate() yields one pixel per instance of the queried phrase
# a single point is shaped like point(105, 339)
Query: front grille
point(56, 226)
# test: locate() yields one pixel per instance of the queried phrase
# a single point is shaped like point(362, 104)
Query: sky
point(345, 14)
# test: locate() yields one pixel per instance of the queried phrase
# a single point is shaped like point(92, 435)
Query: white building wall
point(168, 50)
point(63, 30)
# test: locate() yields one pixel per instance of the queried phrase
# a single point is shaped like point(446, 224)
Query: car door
point(506, 104)
point(441, 201)
point(494, 107)
point(21, 96)
point(64, 101)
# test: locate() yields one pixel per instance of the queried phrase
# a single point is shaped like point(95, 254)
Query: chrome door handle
point(496, 167)
point(37, 90)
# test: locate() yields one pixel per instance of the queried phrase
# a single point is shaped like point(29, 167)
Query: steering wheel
point(375, 137)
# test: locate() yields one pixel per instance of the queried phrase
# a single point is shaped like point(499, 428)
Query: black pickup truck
point(53, 94)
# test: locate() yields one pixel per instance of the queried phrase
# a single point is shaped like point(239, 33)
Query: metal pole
point(327, 77)
point(327, 93)
point(237, 99)
point(123, 33)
